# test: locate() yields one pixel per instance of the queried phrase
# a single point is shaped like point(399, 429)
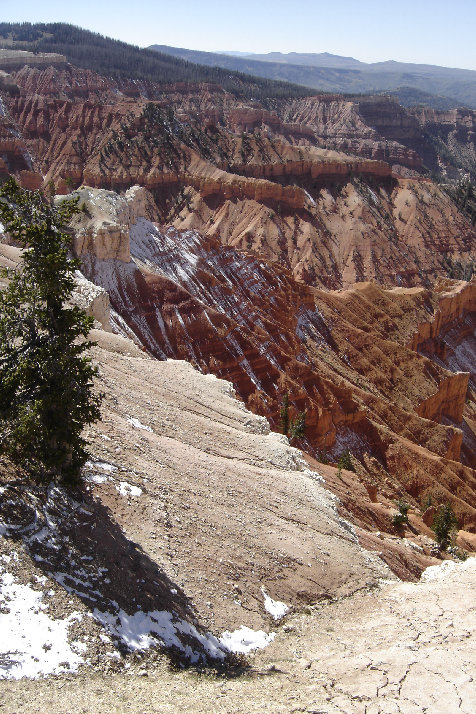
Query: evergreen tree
point(444, 525)
point(46, 381)
point(297, 428)
point(284, 414)
point(292, 428)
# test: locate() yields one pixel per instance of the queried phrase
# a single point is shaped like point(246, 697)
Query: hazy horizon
point(370, 31)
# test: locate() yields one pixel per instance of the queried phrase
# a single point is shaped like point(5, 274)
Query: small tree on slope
point(46, 381)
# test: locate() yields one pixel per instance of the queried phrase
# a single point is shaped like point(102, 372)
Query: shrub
point(292, 428)
point(402, 516)
point(444, 525)
point(345, 461)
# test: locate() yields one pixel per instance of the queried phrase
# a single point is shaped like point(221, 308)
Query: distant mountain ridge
point(331, 73)
point(310, 59)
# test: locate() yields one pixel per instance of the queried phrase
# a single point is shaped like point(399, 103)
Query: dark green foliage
point(412, 97)
point(46, 395)
point(463, 194)
point(345, 461)
point(297, 428)
point(453, 87)
point(458, 269)
point(444, 525)
point(292, 428)
point(284, 414)
point(322, 457)
point(113, 58)
point(402, 516)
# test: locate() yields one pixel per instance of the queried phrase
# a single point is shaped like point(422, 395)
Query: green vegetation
point(345, 461)
point(445, 524)
point(46, 381)
point(450, 87)
point(401, 517)
point(117, 59)
point(284, 415)
point(292, 428)
point(463, 193)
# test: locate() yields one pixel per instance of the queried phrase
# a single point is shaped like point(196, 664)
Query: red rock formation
point(277, 213)
point(342, 356)
point(331, 218)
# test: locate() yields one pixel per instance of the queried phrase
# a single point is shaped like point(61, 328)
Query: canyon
point(293, 247)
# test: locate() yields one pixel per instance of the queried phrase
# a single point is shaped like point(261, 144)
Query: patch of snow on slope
point(32, 643)
point(143, 629)
point(137, 424)
point(127, 489)
point(311, 200)
point(276, 609)
point(446, 569)
point(49, 530)
point(244, 640)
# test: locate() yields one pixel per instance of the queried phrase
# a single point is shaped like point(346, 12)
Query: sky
point(438, 32)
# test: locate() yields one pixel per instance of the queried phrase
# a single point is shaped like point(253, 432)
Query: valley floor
point(405, 647)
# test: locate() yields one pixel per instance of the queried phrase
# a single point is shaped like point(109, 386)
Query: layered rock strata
point(342, 356)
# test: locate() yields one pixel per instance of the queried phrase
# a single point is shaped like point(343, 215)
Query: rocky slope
point(261, 179)
point(192, 507)
point(348, 358)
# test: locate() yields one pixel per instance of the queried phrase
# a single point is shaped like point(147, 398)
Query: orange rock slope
point(257, 178)
point(272, 226)
point(347, 357)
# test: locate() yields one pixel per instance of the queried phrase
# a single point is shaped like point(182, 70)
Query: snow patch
point(103, 465)
point(446, 569)
point(127, 489)
point(244, 640)
point(142, 629)
point(311, 200)
point(32, 643)
point(137, 424)
point(276, 609)
point(96, 478)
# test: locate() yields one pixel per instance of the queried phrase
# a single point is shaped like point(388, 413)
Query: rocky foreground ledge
point(405, 648)
point(200, 533)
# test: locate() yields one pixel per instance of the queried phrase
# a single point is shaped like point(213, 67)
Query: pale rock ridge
point(93, 300)
point(14, 59)
point(106, 237)
point(455, 301)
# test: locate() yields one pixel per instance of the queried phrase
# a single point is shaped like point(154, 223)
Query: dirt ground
point(407, 647)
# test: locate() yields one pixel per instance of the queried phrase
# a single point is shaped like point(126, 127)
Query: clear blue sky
point(424, 31)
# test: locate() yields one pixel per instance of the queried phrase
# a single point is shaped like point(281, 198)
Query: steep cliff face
point(373, 128)
point(449, 145)
point(331, 218)
point(260, 221)
point(341, 356)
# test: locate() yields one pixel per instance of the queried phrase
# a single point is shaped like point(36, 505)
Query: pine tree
point(297, 428)
point(444, 524)
point(284, 414)
point(46, 380)
point(292, 428)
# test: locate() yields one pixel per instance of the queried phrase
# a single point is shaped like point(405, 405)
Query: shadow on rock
point(74, 540)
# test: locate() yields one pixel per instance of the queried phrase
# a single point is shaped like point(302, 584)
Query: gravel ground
point(407, 647)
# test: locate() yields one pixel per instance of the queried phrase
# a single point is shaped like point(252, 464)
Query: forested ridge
point(114, 58)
